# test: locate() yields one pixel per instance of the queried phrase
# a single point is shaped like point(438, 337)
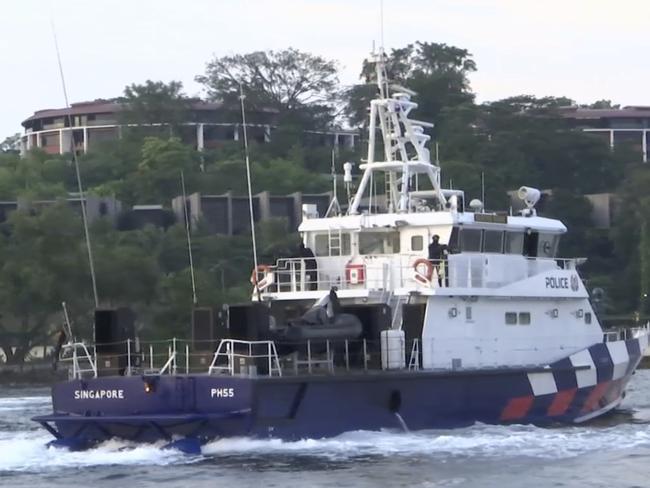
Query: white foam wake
point(477, 441)
point(27, 451)
point(9, 404)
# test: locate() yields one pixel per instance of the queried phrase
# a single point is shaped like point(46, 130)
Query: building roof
point(101, 106)
point(605, 113)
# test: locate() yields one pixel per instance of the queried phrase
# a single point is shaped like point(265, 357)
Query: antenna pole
point(381, 20)
point(483, 189)
point(84, 215)
point(189, 238)
point(333, 169)
point(67, 321)
point(248, 180)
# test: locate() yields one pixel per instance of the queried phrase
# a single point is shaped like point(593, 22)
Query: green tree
point(154, 103)
point(11, 144)
point(42, 265)
point(301, 87)
point(437, 72)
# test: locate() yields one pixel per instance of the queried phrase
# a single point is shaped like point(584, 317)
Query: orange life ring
point(426, 277)
point(262, 268)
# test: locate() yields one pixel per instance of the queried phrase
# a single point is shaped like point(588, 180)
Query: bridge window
point(493, 241)
point(417, 243)
point(511, 318)
point(378, 243)
point(514, 243)
point(588, 318)
point(524, 318)
point(332, 244)
point(470, 240)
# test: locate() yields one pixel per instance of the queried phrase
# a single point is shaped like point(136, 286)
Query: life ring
point(264, 282)
point(424, 278)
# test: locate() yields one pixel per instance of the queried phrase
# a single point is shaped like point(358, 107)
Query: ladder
point(414, 360)
point(335, 242)
point(395, 302)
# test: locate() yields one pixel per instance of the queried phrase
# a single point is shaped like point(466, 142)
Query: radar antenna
point(404, 146)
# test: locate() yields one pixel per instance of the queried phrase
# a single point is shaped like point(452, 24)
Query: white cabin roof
point(427, 219)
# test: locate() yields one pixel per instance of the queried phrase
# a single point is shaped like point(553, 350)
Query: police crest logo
point(574, 283)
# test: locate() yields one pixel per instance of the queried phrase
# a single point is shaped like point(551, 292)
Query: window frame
point(346, 245)
point(421, 245)
point(462, 239)
point(507, 243)
point(484, 240)
point(395, 238)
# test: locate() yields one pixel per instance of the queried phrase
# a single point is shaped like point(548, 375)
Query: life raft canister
point(423, 275)
point(267, 279)
point(355, 274)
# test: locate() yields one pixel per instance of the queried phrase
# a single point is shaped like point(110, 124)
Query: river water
point(612, 452)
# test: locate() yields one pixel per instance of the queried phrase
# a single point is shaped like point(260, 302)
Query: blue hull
point(205, 407)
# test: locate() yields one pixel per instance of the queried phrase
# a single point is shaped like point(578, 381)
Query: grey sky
point(584, 49)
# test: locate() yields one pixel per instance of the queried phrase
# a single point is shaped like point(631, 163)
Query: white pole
point(189, 238)
point(78, 173)
point(248, 180)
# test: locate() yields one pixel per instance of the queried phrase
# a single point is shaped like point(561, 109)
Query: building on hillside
point(85, 124)
point(139, 216)
point(617, 126)
point(96, 207)
point(230, 215)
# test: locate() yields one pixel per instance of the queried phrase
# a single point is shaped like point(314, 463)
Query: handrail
point(388, 272)
point(170, 361)
point(235, 357)
point(77, 371)
point(271, 357)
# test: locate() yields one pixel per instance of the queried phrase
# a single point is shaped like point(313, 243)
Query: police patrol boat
point(372, 332)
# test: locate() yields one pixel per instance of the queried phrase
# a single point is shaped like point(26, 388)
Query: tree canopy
point(301, 87)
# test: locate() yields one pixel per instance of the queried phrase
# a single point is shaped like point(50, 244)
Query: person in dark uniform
point(311, 269)
point(438, 253)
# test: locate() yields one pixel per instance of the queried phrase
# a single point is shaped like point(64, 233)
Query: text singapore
point(98, 394)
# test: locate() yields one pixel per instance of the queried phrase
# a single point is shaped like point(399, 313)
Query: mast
point(75, 159)
point(405, 153)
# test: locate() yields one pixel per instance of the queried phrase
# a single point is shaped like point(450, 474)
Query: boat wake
point(27, 451)
point(23, 446)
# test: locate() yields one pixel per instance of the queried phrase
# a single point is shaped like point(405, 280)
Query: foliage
point(437, 72)
point(301, 87)
point(11, 144)
point(154, 103)
point(41, 266)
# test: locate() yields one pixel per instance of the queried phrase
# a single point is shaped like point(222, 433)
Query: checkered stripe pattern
point(580, 385)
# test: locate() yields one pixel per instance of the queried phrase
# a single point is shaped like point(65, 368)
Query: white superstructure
point(498, 297)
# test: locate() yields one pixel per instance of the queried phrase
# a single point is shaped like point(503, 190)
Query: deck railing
point(277, 358)
point(465, 270)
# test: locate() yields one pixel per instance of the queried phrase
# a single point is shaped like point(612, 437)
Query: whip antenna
point(84, 216)
point(248, 180)
point(189, 238)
